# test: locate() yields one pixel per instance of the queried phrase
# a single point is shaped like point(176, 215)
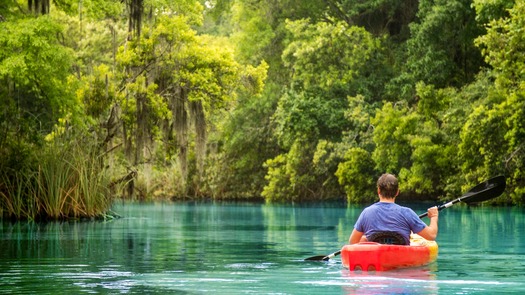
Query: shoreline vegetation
point(270, 101)
point(66, 180)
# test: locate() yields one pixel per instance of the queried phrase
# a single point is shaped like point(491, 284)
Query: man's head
point(387, 186)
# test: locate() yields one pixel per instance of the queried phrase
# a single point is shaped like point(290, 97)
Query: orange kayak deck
point(369, 256)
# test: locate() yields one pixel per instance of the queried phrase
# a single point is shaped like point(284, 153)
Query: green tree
point(440, 50)
point(356, 170)
point(39, 109)
point(172, 68)
point(246, 141)
point(417, 143)
point(379, 17)
point(327, 55)
point(488, 10)
point(492, 138)
point(328, 62)
point(303, 120)
point(356, 173)
point(35, 93)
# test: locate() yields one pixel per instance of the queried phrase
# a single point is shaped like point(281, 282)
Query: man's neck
point(386, 200)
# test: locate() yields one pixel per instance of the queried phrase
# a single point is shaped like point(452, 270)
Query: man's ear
point(397, 192)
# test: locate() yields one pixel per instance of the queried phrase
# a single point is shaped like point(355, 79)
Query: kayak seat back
point(387, 238)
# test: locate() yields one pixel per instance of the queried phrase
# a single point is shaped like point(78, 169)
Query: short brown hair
point(388, 185)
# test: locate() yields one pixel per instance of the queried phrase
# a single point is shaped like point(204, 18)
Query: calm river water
point(225, 248)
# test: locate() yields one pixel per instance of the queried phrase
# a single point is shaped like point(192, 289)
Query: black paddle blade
point(484, 191)
point(316, 258)
point(323, 257)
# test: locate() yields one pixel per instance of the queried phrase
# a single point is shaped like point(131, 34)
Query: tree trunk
point(142, 131)
point(180, 125)
point(38, 6)
point(135, 10)
point(199, 122)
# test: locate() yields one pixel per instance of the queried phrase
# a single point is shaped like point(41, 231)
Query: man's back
point(389, 217)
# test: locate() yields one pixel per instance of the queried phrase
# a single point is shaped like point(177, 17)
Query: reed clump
point(68, 180)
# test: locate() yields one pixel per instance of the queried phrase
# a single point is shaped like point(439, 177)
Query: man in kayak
point(387, 216)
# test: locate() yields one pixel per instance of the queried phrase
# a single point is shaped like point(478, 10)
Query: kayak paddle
point(484, 191)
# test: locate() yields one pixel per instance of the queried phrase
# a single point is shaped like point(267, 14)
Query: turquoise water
point(188, 248)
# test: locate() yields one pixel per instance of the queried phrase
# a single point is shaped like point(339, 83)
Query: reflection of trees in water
point(479, 225)
point(194, 236)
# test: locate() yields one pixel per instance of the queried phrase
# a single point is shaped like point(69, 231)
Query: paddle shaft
point(441, 207)
point(330, 256)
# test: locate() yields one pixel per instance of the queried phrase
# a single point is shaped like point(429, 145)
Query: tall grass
point(69, 181)
point(92, 195)
point(54, 181)
point(13, 198)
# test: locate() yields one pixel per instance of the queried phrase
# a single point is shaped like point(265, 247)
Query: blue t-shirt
point(383, 216)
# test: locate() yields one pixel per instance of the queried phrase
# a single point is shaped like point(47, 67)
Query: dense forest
point(282, 101)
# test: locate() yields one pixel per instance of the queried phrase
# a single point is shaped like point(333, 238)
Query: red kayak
point(370, 256)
